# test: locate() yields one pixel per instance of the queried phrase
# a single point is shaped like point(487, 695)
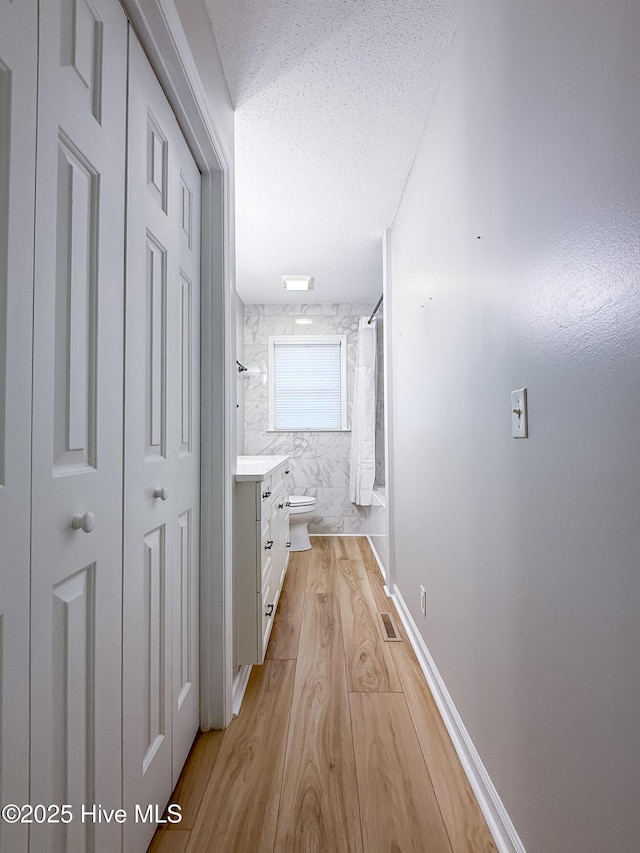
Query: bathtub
point(379, 496)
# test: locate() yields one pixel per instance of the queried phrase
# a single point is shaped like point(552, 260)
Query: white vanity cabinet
point(261, 551)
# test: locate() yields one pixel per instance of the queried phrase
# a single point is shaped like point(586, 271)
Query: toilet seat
point(301, 500)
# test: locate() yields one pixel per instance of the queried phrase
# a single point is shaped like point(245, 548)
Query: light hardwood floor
point(339, 745)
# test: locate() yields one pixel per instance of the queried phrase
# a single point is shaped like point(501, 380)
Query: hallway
point(339, 745)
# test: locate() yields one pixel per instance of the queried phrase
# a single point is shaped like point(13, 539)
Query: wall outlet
point(423, 600)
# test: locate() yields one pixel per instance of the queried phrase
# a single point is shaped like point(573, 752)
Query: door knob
point(162, 493)
point(281, 506)
point(84, 522)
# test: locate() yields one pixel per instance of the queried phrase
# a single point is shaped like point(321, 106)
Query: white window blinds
point(307, 383)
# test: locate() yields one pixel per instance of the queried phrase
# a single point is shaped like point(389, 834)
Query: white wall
point(529, 550)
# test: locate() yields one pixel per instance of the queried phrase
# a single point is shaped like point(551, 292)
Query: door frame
point(387, 296)
point(160, 31)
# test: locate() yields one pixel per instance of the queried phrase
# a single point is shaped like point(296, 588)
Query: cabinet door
point(162, 483)
point(77, 419)
point(18, 63)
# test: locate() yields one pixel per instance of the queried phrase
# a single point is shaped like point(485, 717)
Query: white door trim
point(388, 407)
point(160, 31)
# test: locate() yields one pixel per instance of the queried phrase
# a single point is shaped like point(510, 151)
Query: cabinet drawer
point(277, 481)
point(267, 603)
point(265, 581)
point(267, 541)
point(265, 489)
point(266, 623)
point(268, 585)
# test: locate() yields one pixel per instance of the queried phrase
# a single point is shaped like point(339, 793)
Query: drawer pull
point(84, 522)
point(269, 545)
point(288, 544)
point(287, 471)
point(269, 610)
point(281, 506)
point(266, 495)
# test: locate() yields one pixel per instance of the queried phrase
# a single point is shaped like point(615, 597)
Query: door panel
point(75, 312)
point(154, 631)
point(156, 349)
point(77, 432)
point(162, 413)
point(18, 63)
point(72, 711)
point(184, 674)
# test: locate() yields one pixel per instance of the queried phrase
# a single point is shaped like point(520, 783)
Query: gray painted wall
point(319, 460)
point(515, 262)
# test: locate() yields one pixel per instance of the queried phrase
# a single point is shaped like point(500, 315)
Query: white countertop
point(256, 468)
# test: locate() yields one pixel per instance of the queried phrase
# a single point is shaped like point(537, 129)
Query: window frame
point(301, 340)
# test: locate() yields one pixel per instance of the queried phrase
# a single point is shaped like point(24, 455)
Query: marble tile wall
point(319, 460)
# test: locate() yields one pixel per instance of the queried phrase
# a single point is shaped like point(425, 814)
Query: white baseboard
point(239, 687)
point(499, 823)
point(381, 565)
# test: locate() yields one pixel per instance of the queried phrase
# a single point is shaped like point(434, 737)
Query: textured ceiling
point(331, 99)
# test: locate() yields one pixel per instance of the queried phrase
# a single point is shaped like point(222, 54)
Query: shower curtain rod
point(375, 310)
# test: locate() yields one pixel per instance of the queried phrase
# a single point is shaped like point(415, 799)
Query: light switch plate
point(519, 414)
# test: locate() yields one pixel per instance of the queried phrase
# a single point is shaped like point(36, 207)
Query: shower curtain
point(363, 422)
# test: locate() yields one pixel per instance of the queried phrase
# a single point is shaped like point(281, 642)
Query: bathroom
point(319, 460)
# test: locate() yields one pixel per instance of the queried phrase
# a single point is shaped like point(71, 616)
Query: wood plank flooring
point(399, 807)
point(370, 666)
point(339, 745)
point(319, 801)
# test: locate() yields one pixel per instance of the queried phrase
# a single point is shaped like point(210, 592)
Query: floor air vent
point(390, 633)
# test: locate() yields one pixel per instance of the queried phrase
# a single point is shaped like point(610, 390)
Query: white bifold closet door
point(18, 64)
point(77, 421)
point(162, 452)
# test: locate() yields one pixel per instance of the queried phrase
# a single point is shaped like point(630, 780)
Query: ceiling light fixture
point(298, 282)
point(303, 321)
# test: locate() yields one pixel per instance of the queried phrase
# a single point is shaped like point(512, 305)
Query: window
point(308, 382)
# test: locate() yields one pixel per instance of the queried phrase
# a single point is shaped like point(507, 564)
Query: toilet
point(300, 511)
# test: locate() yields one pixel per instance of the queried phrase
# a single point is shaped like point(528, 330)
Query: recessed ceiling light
point(304, 321)
point(298, 282)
